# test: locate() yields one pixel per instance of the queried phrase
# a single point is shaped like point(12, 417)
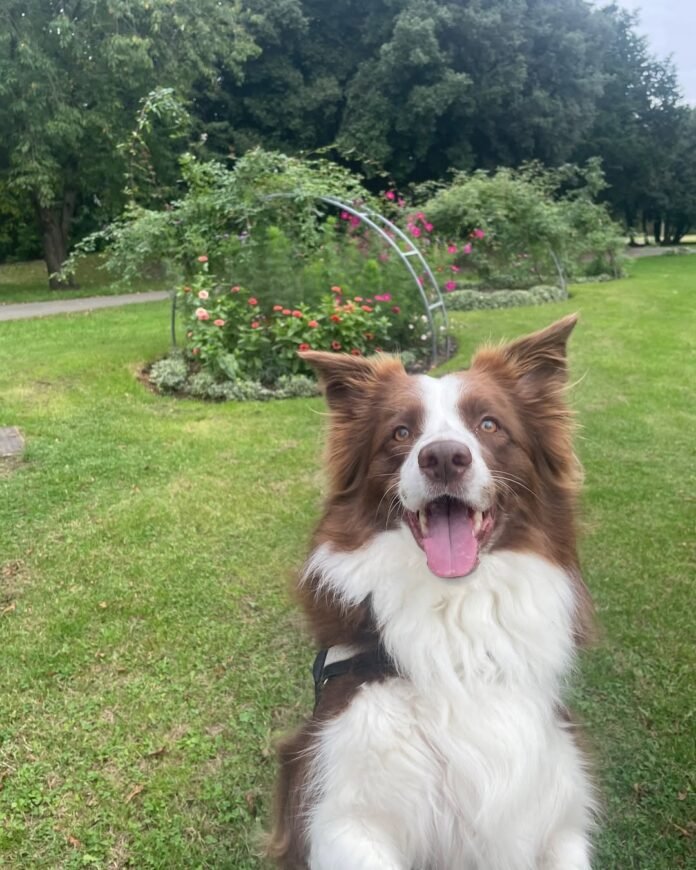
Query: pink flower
point(450, 286)
point(428, 227)
point(383, 297)
point(219, 322)
point(367, 308)
point(313, 324)
point(286, 311)
point(355, 221)
point(304, 346)
point(297, 313)
point(235, 289)
point(415, 232)
point(451, 249)
point(345, 216)
point(390, 195)
point(357, 299)
point(384, 256)
point(455, 268)
point(467, 248)
point(277, 307)
point(336, 289)
point(202, 294)
point(202, 314)
point(335, 318)
point(255, 324)
point(335, 345)
point(401, 202)
point(253, 301)
point(203, 258)
point(478, 234)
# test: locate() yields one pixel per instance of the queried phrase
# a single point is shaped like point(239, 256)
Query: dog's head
point(470, 462)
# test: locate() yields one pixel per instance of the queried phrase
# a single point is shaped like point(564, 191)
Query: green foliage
point(475, 300)
point(537, 225)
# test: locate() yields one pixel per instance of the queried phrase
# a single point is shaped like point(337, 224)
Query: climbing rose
point(450, 286)
point(390, 195)
point(202, 314)
point(451, 249)
point(478, 234)
point(219, 322)
point(455, 268)
point(467, 248)
point(428, 227)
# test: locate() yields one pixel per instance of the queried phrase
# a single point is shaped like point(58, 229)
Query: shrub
point(472, 300)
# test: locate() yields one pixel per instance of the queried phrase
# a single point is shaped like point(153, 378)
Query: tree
point(72, 73)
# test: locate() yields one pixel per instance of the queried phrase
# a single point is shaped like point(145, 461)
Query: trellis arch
point(431, 296)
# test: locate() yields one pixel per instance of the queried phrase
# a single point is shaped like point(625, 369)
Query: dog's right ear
point(344, 378)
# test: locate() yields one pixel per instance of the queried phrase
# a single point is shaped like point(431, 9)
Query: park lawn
point(28, 282)
point(150, 652)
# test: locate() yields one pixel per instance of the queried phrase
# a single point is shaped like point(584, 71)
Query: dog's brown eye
point(488, 425)
point(401, 433)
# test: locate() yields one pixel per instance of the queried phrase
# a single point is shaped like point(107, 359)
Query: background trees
point(410, 89)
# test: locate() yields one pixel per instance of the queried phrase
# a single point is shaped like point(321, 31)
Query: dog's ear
point(344, 377)
point(536, 359)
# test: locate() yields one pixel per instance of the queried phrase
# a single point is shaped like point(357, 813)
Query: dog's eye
point(488, 425)
point(401, 433)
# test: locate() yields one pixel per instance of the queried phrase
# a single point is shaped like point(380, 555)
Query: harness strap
point(343, 659)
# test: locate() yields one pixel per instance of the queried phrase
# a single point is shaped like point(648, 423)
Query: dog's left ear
point(539, 358)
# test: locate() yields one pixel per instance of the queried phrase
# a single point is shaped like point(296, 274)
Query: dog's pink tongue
point(450, 546)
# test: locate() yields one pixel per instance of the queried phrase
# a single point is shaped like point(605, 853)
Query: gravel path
point(24, 310)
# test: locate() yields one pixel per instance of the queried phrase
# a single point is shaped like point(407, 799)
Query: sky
point(670, 26)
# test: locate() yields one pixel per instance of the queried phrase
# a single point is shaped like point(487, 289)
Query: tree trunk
point(55, 232)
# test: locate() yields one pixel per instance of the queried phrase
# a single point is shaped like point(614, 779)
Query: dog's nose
point(444, 461)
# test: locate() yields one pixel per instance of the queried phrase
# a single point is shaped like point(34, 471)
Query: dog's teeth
point(423, 523)
point(478, 521)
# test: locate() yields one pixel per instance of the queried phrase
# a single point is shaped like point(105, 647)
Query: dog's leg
point(372, 781)
point(569, 850)
point(350, 845)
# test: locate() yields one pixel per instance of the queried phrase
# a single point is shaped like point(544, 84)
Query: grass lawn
point(28, 282)
point(149, 651)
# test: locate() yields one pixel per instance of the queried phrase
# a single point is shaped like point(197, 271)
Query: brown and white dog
point(444, 581)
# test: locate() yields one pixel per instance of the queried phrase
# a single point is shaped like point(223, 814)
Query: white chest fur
point(461, 763)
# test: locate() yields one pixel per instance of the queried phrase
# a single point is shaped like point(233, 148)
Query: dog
point(444, 589)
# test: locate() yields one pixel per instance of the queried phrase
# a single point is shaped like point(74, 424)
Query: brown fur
point(523, 384)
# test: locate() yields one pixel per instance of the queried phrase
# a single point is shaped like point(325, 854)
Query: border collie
point(443, 587)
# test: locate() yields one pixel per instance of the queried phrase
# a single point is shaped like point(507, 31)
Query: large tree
point(72, 73)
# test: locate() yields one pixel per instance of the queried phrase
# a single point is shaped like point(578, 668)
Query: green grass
point(28, 282)
point(150, 652)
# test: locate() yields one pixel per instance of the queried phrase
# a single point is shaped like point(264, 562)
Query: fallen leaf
point(136, 791)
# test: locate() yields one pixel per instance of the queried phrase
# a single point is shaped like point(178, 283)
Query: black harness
point(367, 664)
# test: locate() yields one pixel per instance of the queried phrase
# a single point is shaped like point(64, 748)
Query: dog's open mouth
point(451, 533)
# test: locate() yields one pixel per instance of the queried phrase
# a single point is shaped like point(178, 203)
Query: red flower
point(253, 301)
point(203, 258)
point(255, 324)
point(335, 345)
point(367, 308)
point(304, 346)
point(297, 313)
point(336, 289)
point(277, 307)
point(235, 289)
point(286, 311)
point(356, 352)
point(396, 309)
point(336, 318)
point(313, 324)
